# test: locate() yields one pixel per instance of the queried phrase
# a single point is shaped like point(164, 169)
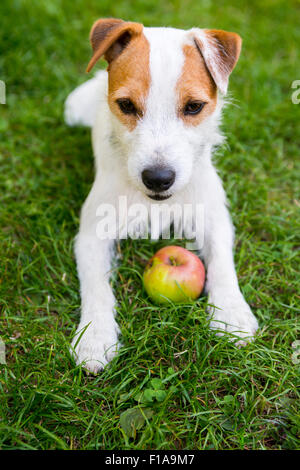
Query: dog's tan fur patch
point(129, 77)
point(195, 84)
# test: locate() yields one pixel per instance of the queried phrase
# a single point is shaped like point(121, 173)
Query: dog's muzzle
point(158, 180)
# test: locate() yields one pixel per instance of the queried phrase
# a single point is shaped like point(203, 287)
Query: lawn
point(211, 394)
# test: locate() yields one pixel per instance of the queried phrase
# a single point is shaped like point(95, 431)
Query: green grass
point(218, 396)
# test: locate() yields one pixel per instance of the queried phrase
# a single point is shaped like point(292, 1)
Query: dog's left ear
point(109, 37)
point(220, 51)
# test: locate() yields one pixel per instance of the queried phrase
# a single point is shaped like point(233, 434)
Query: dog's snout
point(158, 179)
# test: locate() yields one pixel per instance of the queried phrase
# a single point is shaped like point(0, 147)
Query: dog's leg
point(95, 342)
point(227, 306)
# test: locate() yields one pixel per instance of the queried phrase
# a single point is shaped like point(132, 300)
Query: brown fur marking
point(195, 84)
point(129, 77)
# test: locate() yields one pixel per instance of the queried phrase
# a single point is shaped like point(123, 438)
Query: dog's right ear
point(220, 51)
point(109, 37)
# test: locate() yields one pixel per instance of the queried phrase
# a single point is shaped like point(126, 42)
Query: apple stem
point(173, 261)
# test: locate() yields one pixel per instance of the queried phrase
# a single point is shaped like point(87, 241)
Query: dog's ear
point(220, 51)
point(109, 37)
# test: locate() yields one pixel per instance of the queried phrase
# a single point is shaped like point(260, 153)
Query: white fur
point(121, 156)
point(82, 104)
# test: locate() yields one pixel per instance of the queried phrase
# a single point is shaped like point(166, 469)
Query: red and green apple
point(175, 274)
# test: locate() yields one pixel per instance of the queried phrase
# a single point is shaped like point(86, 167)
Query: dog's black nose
point(158, 179)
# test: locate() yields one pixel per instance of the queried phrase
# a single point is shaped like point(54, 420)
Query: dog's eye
point(193, 107)
point(127, 106)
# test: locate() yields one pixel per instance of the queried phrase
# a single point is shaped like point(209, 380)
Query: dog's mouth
point(159, 197)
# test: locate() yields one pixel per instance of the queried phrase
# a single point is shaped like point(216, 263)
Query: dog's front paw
point(93, 347)
point(231, 314)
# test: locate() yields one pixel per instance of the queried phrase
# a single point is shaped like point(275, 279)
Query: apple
point(175, 274)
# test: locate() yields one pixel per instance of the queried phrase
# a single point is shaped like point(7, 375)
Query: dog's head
point(163, 88)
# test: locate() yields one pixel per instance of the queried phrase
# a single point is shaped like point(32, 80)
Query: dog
point(155, 116)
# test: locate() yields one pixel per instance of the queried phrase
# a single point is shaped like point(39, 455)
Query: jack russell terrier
point(155, 116)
